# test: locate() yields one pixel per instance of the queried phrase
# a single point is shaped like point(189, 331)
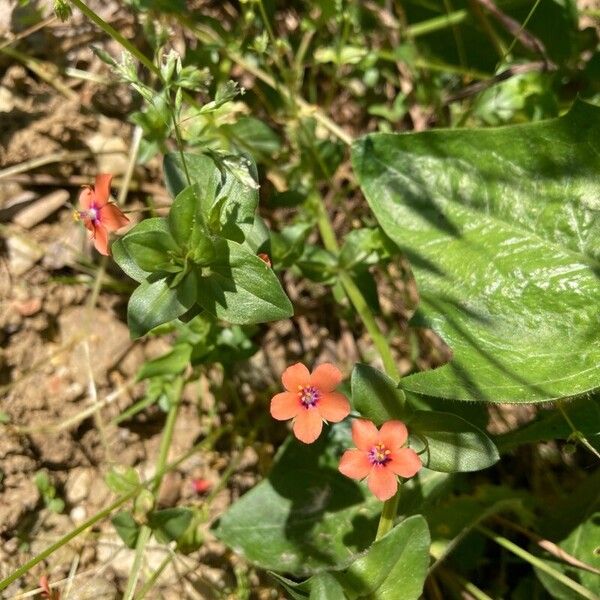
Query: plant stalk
point(388, 514)
point(537, 563)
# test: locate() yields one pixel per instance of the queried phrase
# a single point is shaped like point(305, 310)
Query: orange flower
point(98, 214)
point(379, 455)
point(310, 399)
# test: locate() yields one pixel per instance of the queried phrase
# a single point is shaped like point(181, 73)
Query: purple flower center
point(92, 213)
point(309, 396)
point(379, 455)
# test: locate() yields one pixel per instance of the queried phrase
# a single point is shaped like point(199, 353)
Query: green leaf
point(125, 260)
point(394, 567)
point(171, 363)
point(147, 245)
point(237, 202)
point(155, 303)
point(502, 231)
point(127, 528)
point(364, 247)
point(376, 397)
point(288, 244)
point(325, 587)
point(200, 168)
point(170, 524)
point(122, 480)
point(187, 214)
point(451, 444)
point(241, 288)
point(152, 250)
point(322, 586)
point(305, 516)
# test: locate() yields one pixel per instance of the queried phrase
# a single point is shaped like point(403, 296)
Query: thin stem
point(113, 33)
point(153, 578)
point(388, 514)
point(140, 548)
point(525, 22)
point(163, 453)
point(536, 562)
point(578, 435)
point(437, 23)
point(206, 442)
point(355, 295)
point(68, 537)
point(167, 436)
point(367, 317)
point(460, 583)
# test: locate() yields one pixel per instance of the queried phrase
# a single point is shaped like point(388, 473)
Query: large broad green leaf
point(393, 567)
point(241, 288)
point(502, 229)
point(306, 516)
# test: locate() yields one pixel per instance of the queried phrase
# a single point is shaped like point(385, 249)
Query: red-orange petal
point(364, 434)
point(393, 434)
point(405, 462)
point(382, 482)
point(308, 425)
point(295, 376)
point(326, 377)
point(86, 198)
point(285, 406)
point(102, 189)
point(333, 406)
point(112, 217)
point(101, 240)
point(355, 464)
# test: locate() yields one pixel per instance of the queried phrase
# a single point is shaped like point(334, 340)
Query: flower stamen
point(309, 395)
point(379, 455)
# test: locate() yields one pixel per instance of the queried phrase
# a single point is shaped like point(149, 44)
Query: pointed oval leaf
point(448, 443)
point(154, 303)
point(376, 397)
point(503, 232)
point(394, 567)
point(241, 288)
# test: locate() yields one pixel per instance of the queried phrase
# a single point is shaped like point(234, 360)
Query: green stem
point(437, 23)
point(163, 453)
point(355, 295)
point(206, 442)
point(460, 584)
point(367, 317)
point(388, 514)
point(578, 435)
point(537, 563)
point(113, 33)
point(152, 579)
point(140, 548)
point(67, 538)
point(167, 436)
